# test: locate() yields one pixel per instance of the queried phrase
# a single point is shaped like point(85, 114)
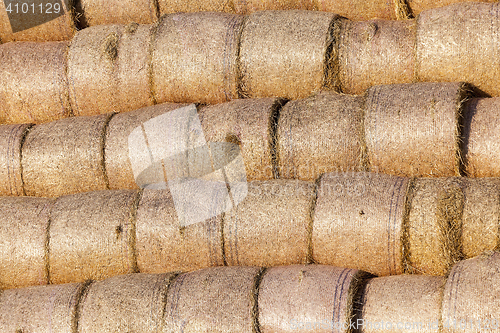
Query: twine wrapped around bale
point(403, 121)
point(375, 52)
point(65, 157)
point(23, 251)
point(127, 303)
point(320, 134)
point(358, 222)
point(433, 229)
point(11, 140)
point(398, 304)
point(286, 53)
point(459, 43)
point(99, 12)
point(33, 82)
point(470, 301)
point(194, 58)
point(92, 236)
point(304, 298)
point(108, 69)
point(221, 299)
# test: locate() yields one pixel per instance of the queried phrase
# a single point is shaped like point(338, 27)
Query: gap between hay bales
point(21, 144)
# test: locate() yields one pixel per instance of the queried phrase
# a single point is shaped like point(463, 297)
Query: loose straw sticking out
point(65, 157)
point(403, 121)
point(360, 10)
point(323, 133)
point(44, 309)
point(127, 303)
point(33, 82)
point(460, 43)
point(418, 6)
point(23, 230)
point(283, 53)
point(92, 236)
point(163, 245)
point(435, 226)
point(220, 299)
point(99, 12)
point(11, 138)
point(411, 303)
point(376, 52)
point(194, 58)
point(292, 296)
point(470, 302)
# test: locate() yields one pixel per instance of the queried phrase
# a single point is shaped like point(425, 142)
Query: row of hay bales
point(385, 225)
point(312, 298)
point(413, 130)
point(216, 57)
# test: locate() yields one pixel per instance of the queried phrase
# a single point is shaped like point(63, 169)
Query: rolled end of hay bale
point(65, 157)
point(92, 236)
point(251, 6)
point(11, 138)
point(358, 222)
point(33, 82)
point(405, 303)
point(132, 302)
point(311, 298)
point(193, 6)
point(42, 23)
point(403, 121)
point(42, 309)
point(163, 245)
point(285, 53)
point(376, 52)
point(433, 231)
point(108, 69)
point(480, 219)
point(270, 227)
point(221, 299)
point(320, 134)
point(23, 250)
point(481, 144)
point(249, 123)
point(360, 10)
point(194, 58)
point(100, 12)
point(470, 301)
point(468, 51)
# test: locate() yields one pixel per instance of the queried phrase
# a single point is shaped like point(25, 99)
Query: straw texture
point(360, 10)
point(418, 6)
point(65, 157)
point(11, 138)
point(190, 6)
point(251, 6)
point(92, 236)
point(194, 58)
point(99, 12)
point(33, 82)
point(284, 53)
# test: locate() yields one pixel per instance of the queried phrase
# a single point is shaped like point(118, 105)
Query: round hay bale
point(460, 43)
point(65, 157)
point(403, 121)
point(127, 303)
point(433, 230)
point(23, 250)
point(418, 6)
point(320, 134)
point(92, 236)
point(108, 69)
point(52, 25)
point(220, 299)
point(481, 144)
point(310, 298)
point(470, 301)
point(480, 224)
point(405, 303)
point(285, 53)
point(376, 52)
point(271, 226)
point(194, 58)
point(11, 140)
point(33, 82)
point(358, 222)
point(249, 123)
point(193, 6)
point(163, 245)
point(251, 6)
point(42, 309)
point(99, 12)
